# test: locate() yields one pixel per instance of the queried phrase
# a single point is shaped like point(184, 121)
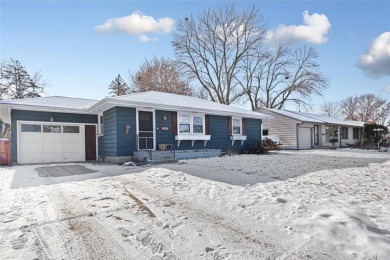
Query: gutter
point(176, 108)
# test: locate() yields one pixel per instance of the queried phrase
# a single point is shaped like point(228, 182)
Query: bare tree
point(160, 74)
point(16, 82)
point(283, 75)
point(366, 108)
point(349, 108)
point(211, 46)
point(332, 109)
point(118, 86)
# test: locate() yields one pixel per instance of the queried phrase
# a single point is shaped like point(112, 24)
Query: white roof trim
point(44, 108)
point(115, 102)
point(314, 118)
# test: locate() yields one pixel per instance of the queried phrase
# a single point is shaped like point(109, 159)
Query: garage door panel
point(52, 148)
point(71, 148)
point(31, 149)
point(52, 138)
point(31, 138)
point(30, 158)
point(71, 157)
point(52, 157)
point(71, 138)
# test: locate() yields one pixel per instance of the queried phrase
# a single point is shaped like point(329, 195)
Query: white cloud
point(386, 89)
point(376, 60)
point(314, 30)
point(145, 38)
point(137, 24)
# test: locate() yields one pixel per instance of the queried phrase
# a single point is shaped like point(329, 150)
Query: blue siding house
point(152, 126)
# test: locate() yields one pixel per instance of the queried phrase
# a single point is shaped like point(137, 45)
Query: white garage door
point(304, 138)
point(50, 142)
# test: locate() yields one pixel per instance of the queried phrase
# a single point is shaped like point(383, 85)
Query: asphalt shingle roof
point(180, 101)
point(53, 101)
point(315, 118)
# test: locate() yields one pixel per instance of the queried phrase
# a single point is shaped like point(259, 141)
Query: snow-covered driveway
point(159, 213)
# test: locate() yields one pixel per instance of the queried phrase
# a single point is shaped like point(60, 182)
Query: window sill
point(234, 138)
point(193, 138)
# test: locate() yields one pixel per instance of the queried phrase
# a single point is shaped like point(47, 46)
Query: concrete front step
point(160, 161)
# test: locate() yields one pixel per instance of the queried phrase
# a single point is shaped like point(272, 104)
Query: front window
point(191, 124)
point(236, 126)
point(356, 133)
point(184, 123)
point(197, 124)
point(331, 132)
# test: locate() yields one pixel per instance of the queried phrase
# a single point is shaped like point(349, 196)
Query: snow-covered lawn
point(295, 205)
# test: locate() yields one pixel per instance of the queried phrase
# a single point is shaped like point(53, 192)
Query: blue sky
point(59, 39)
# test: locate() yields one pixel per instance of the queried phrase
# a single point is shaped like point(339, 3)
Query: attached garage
point(45, 142)
point(304, 138)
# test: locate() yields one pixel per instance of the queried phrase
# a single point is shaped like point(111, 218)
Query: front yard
point(290, 205)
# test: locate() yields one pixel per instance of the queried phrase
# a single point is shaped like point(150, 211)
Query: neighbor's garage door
point(304, 138)
point(42, 143)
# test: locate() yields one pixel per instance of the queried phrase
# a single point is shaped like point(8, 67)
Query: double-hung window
point(356, 133)
point(237, 124)
point(191, 124)
point(344, 133)
point(197, 124)
point(184, 124)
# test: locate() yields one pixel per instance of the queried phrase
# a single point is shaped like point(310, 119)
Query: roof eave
point(45, 108)
point(117, 102)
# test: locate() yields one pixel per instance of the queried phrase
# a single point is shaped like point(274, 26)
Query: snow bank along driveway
point(158, 213)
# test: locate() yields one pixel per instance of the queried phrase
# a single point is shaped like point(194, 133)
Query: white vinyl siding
point(284, 127)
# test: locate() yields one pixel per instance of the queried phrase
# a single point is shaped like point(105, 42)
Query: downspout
point(99, 126)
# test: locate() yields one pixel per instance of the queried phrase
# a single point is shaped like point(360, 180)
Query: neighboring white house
point(301, 130)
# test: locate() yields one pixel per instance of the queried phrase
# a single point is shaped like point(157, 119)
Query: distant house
point(301, 130)
point(116, 129)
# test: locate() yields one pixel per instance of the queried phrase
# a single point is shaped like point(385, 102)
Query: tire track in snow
point(258, 245)
point(93, 241)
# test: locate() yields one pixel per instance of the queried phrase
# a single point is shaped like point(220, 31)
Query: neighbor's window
point(184, 123)
point(31, 128)
point(344, 132)
point(236, 126)
point(191, 124)
point(52, 129)
point(197, 126)
point(265, 132)
point(71, 129)
point(331, 132)
point(356, 133)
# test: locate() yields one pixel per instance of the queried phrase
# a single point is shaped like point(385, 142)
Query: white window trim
point(237, 137)
point(191, 136)
point(240, 119)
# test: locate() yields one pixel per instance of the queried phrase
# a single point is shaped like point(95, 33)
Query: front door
point(145, 130)
point(316, 136)
point(90, 143)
